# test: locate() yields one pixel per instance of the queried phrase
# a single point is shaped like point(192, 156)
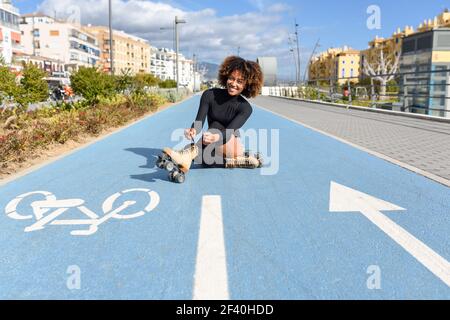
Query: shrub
point(123, 81)
point(92, 84)
point(147, 79)
point(34, 88)
point(167, 84)
point(8, 87)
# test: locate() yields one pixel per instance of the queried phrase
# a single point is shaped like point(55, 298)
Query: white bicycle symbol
point(41, 208)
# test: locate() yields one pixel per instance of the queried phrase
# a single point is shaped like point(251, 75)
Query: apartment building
point(10, 37)
point(423, 87)
point(162, 65)
point(51, 66)
point(335, 64)
point(346, 66)
point(59, 40)
point(440, 21)
point(390, 47)
point(131, 53)
point(322, 65)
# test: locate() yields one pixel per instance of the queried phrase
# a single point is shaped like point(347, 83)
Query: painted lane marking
point(112, 209)
point(344, 199)
point(211, 279)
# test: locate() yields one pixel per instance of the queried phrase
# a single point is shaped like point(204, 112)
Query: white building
point(10, 37)
point(162, 65)
point(59, 40)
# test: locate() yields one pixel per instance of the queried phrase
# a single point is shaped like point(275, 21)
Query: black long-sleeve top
point(231, 112)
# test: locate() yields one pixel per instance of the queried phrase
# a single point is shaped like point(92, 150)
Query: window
point(425, 42)
point(351, 73)
point(443, 40)
point(409, 45)
point(343, 73)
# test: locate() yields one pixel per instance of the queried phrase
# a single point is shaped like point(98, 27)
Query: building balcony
point(80, 36)
point(12, 26)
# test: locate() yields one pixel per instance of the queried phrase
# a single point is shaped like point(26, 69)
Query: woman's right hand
point(190, 133)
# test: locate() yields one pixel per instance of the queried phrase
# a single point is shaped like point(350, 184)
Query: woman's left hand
point(209, 138)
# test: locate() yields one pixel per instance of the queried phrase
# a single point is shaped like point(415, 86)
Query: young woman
point(226, 111)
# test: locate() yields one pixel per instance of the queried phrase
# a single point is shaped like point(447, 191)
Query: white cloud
point(269, 6)
point(278, 8)
point(206, 34)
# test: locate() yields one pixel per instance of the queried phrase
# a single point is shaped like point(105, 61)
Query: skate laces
point(188, 150)
point(241, 161)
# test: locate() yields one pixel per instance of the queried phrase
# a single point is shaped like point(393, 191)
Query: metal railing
point(423, 92)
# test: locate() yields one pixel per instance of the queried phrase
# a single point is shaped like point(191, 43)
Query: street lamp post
point(111, 55)
point(298, 51)
point(193, 67)
point(291, 49)
point(176, 40)
point(177, 21)
point(310, 59)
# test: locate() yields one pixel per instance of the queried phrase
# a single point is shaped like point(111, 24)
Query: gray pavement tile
point(420, 143)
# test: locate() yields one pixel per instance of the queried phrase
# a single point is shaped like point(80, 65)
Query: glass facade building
point(426, 61)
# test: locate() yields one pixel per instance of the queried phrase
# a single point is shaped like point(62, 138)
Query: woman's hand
point(209, 138)
point(190, 133)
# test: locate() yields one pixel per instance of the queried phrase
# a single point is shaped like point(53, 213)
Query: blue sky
point(336, 23)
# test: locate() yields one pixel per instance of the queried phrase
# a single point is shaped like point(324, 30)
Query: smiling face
point(235, 83)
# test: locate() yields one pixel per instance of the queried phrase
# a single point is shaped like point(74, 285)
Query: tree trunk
point(383, 90)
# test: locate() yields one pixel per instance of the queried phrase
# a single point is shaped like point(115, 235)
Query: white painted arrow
point(344, 199)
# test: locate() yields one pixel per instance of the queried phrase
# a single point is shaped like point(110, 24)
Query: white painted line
point(211, 279)
point(409, 167)
point(345, 199)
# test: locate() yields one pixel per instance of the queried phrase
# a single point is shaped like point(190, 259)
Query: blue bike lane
point(280, 239)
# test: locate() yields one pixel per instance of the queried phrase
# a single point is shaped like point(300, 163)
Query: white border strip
point(210, 279)
point(426, 174)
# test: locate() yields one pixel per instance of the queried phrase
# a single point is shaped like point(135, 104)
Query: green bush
point(93, 84)
point(167, 84)
point(34, 88)
point(392, 87)
point(123, 81)
point(8, 87)
point(147, 79)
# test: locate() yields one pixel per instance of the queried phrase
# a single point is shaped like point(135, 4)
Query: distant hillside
point(210, 68)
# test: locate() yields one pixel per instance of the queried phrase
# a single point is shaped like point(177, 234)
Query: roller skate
point(247, 161)
point(177, 163)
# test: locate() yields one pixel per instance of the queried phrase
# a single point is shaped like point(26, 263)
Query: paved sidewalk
point(420, 143)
